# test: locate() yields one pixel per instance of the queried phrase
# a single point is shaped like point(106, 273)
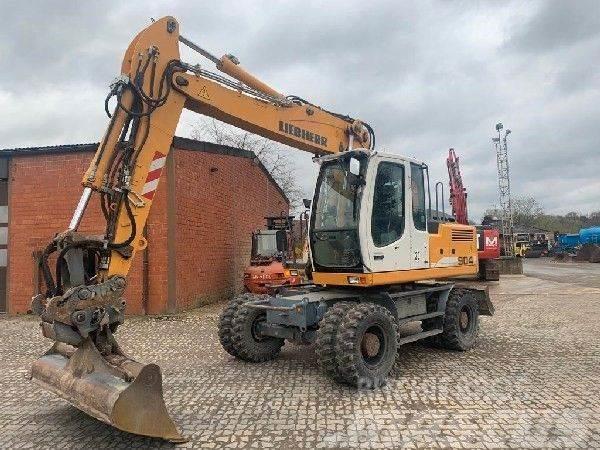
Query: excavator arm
point(83, 305)
point(151, 94)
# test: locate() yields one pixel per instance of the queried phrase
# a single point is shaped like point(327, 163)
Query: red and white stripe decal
point(156, 167)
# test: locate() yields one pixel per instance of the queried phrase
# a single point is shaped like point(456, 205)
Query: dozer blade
point(115, 389)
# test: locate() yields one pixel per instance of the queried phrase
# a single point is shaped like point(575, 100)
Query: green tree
point(526, 211)
point(272, 155)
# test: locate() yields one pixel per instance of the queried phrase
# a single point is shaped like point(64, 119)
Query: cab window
point(387, 221)
point(418, 197)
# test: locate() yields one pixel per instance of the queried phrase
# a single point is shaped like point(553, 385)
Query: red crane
point(458, 193)
point(488, 239)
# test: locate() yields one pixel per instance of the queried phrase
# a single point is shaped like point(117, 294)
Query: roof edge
point(66, 148)
point(179, 143)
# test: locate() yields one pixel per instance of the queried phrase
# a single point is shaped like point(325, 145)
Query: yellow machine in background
point(521, 246)
point(371, 241)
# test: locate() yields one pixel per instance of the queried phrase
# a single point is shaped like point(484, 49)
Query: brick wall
point(221, 199)
point(43, 192)
point(215, 214)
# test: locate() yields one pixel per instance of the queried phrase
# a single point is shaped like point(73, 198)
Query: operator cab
point(269, 244)
point(273, 242)
point(369, 214)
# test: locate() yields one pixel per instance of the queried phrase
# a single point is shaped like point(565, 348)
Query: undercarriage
point(356, 331)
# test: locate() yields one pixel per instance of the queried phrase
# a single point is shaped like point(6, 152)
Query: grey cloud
point(46, 44)
point(427, 75)
point(578, 69)
point(557, 24)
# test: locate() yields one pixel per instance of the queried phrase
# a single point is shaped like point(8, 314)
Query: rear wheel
point(366, 345)
point(246, 339)
point(461, 321)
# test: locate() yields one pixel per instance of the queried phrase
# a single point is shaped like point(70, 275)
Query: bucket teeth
point(114, 389)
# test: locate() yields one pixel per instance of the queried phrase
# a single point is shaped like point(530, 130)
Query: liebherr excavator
point(370, 240)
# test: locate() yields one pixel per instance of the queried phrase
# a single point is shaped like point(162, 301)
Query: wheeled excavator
point(374, 250)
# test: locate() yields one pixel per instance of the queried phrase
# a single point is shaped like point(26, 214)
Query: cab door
point(419, 237)
point(388, 234)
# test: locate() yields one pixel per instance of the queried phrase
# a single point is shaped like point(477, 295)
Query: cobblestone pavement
point(533, 381)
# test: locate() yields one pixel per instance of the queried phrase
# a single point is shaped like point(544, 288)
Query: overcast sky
point(427, 75)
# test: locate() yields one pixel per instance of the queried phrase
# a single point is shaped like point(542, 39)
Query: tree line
point(528, 212)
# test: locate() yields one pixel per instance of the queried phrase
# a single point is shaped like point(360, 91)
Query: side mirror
point(354, 166)
point(307, 202)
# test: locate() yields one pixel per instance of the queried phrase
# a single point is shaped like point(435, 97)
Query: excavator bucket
point(114, 389)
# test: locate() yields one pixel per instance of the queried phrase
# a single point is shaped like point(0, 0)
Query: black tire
point(247, 344)
point(461, 321)
point(367, 345)
point(327, 337)
point(226, 319)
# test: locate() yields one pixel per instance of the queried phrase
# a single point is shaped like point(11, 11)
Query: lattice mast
point(506, 218)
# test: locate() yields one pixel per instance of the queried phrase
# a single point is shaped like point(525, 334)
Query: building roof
point(67, 148)
point(178, 143)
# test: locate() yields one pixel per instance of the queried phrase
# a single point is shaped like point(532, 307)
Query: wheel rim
point(373, 345)
point(254, 329)
point(465, 319)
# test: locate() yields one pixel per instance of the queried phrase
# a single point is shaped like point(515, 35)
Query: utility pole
point(504, 189)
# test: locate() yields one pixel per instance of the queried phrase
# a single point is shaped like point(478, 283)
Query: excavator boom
point(83, 304)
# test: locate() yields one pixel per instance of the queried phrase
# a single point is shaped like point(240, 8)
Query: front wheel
point(366, 345)
point(226, 322)
point(327, 335)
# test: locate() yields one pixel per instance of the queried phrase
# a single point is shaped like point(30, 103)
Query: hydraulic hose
point(131, 217)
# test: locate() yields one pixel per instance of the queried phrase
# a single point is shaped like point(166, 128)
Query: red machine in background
point(488, 239)
point(274, 262)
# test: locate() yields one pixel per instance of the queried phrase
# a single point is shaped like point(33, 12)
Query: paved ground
point(532, 382)
point(584, 273)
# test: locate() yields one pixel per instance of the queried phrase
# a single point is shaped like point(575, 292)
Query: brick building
point(209, 201)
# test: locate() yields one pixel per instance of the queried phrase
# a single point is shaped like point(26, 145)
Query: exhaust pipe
point(114, 389)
